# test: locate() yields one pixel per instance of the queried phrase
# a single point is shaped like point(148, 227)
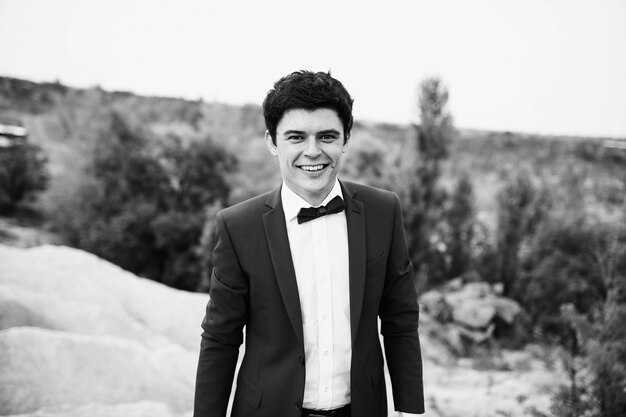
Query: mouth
point(313, 168)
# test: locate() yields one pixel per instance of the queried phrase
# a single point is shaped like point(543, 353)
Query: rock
point(498, 288)
point(139, 409)
point(80, 330)
point(434, 304)
point(436, 347)
point(452, 336)
point(475, 304)
point(61, 288)
point(454, 285)
point(471, 314)
point(506, 309)
point(477, 336)
point(474, 313)
point(42, 368)
point(470, 291)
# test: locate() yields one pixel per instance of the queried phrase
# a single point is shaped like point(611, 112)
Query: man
point(307, 269)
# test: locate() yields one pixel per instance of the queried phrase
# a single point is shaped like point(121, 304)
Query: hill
point(66, 122)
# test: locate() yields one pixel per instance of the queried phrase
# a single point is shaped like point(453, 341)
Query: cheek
point(337, 154)
point(288, 160)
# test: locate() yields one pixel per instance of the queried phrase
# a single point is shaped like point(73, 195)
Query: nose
point(312, 149)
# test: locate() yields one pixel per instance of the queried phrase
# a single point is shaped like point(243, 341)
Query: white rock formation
point(76, 330)
point(80, 337)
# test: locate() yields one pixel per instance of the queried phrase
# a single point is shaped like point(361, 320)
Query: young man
point(308, 269)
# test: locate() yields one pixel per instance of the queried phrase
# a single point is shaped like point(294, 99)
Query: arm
point(399, 314)
point(226, 315)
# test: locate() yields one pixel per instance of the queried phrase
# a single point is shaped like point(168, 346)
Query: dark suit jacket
point(254, 285)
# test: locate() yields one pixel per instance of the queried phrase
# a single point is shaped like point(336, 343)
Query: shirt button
point(325, 389)
point(324, 316)
point(325, 353)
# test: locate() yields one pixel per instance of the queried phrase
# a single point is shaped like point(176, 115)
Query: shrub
point(461, 222)
point(144, 206)
point(560, 269)
point(595, 354)
point(23, 174)
point(521, 207)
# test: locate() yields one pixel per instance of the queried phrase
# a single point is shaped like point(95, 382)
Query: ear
point(270, 143)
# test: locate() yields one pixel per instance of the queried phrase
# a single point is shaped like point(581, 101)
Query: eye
point(295, 138)
point(328, 138)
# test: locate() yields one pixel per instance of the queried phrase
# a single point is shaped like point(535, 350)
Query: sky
point(532, 66)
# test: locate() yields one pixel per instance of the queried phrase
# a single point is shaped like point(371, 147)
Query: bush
point(521, 207)
point(144, 206)
point(596, 353)
point(23, 174)
point(562, 268)
point(461, 224)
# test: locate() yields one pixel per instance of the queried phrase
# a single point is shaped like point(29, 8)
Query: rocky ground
point(81, 337)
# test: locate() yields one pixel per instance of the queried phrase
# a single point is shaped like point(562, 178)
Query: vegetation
point(521, 207)
point(23, 174)
point(424, 198)
point(585, 276)
point(144, 207)
point(542, 216)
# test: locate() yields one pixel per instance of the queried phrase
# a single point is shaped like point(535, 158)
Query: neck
point(314, 199)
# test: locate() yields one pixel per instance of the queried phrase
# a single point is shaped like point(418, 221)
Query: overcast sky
point(536, 66)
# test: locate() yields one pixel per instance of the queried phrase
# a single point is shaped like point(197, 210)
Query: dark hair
point(310, 91)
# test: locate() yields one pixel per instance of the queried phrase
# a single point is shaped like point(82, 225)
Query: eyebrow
point(329, 131)
point(302, 132)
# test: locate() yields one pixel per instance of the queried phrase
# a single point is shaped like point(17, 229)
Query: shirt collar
point(292, 202)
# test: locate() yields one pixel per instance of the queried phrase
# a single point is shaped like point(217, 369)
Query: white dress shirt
point(319, 250)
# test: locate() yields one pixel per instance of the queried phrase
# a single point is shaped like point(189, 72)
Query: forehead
point(303, 119)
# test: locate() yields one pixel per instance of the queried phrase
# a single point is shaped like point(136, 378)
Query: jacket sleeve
point(399, 314)
point(226, 315)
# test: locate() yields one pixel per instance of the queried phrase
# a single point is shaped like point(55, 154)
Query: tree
point(521, 207)
point(422, 198)
point(198, 190)
point(608, 356)
point(144, 206)
point(23, 174)
point(594, 335)
point(460, 220)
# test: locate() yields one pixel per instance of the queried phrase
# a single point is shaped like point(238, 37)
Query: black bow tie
point(309, 213)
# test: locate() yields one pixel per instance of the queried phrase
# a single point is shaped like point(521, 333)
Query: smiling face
point(309, 146)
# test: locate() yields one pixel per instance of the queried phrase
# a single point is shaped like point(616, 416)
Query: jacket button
point(298, 405)
point(301, 359)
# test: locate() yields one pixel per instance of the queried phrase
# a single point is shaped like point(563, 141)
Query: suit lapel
point(278, 242)
point(355, 218)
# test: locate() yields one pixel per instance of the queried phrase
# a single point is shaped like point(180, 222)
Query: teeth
point(312, 168)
